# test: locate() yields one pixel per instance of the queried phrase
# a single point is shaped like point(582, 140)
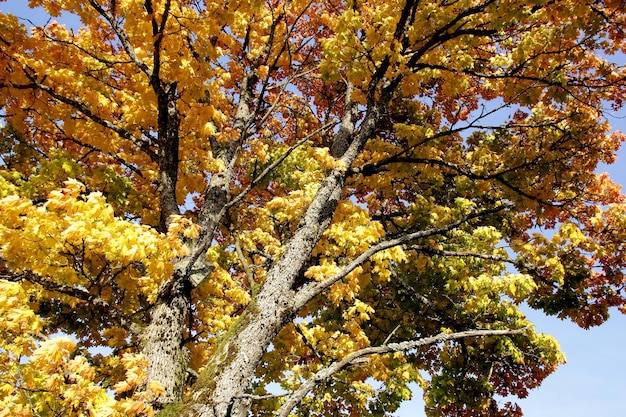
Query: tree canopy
point(302, 207)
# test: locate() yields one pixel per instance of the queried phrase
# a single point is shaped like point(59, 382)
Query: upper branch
point(310, 291)
point(123, 38)
point(81, 107)
point(521, 265)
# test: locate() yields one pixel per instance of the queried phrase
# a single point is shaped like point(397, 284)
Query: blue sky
point(592, 383)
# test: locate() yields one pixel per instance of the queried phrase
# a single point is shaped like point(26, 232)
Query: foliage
point(201, 200)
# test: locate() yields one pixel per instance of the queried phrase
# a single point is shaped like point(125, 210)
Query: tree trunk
point(163, 341)
point(221, 388)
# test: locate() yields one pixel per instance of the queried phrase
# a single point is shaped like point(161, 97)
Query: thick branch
point(343, 138)
point(273, 306)
point(463, 254)
point(215, 203)
point(357, 357)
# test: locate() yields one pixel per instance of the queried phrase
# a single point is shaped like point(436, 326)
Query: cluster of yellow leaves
point(359, 312)
point(351, 234)
point(221, 285)
point(72, 237)
point(52, 382)
point(395, 372)
point(517, 287)
point(216, 300)
point(142, 394)
point(290, 207)
point(305, 168)
point(546, 252)
point(72, 240)
point(49, 377)
point(337, 343)
point(56, 381)
point(40, 379)
point(377, 20)
point(320, 342)
point(184, 226)
point(18, 322)
point(332, 343)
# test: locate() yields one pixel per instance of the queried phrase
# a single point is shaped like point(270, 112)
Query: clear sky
point(592, 383)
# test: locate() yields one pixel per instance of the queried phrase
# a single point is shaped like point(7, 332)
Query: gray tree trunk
point(163, 342)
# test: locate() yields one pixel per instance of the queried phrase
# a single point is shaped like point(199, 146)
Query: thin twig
point(244, 262)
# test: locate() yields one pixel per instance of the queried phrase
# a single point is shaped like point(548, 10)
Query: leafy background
point(593, 381)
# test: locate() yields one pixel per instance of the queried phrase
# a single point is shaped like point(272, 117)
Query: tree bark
point(163, 341)
point(168, 124)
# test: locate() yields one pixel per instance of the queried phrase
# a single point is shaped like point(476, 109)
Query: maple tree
point(201, 200)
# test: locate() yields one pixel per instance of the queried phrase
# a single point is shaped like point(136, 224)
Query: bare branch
point(244, 262)
point(108, 63)
point(357, 357)
point(283, 87)
point(262, 397)
point(416, 296)
point(391, 335)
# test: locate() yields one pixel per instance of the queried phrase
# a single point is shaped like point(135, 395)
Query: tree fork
point(175, 296)
point(221, 389)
